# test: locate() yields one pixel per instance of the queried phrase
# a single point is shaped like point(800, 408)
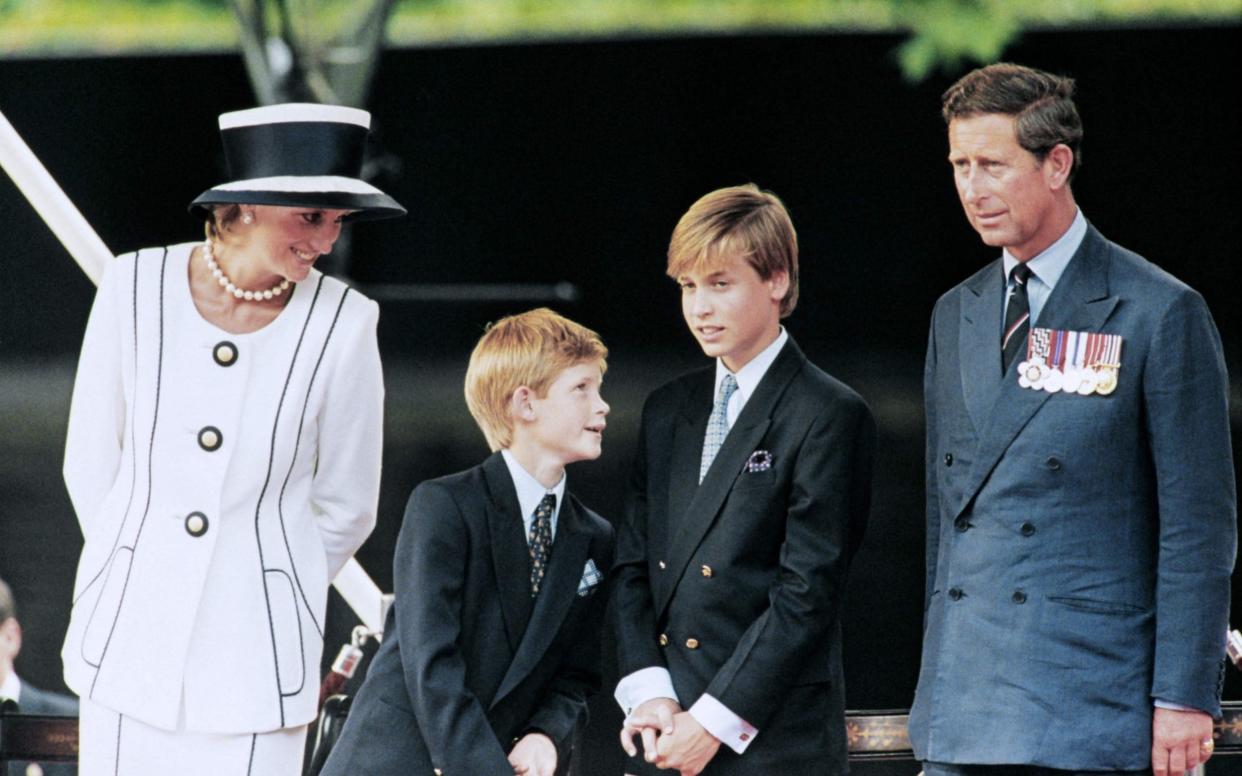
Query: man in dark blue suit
point(1080, 490)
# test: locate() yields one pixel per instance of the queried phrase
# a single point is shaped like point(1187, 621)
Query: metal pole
point(51, 203)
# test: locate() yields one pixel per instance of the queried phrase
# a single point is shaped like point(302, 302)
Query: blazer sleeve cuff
point(643, 685)
point(716, 718)
point(1161, 703)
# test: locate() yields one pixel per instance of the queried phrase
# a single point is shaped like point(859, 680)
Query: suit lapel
point(689, 527)
point(979, 336)
point(691, 427)
point(510, 556)
point(1080, 302)
point(557, 594)
point(1083, 303)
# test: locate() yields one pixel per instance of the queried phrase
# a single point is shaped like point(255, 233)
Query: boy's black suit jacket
point(469, 661)
point(735, 585)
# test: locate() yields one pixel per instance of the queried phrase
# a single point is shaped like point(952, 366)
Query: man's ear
point(10, 639)
point(1057, 165)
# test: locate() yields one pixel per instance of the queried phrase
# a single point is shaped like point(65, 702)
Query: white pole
point(89, 251)
point(362, 594)
point(65, 221)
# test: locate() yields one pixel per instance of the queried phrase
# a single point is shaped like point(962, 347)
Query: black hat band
point(294, 148)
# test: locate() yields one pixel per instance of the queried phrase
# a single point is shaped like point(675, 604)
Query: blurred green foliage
point(944, 34)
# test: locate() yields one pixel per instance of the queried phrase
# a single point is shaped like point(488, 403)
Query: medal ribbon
point(1037, 344)
point(1080, 351)
point(1057, 357)
point(1114, 350)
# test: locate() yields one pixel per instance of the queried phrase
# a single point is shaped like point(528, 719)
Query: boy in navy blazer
point(749, 496)
point(492, 644)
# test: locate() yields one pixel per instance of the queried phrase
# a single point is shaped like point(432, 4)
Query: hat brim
point(366, 206)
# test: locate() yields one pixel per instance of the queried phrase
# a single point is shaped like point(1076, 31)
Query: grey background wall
point(571, 162)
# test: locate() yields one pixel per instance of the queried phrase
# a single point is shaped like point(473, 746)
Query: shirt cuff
point(641, 686)
point(1160, 703)
point(732, 731)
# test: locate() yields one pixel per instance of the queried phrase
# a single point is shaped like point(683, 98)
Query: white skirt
point(112, 744)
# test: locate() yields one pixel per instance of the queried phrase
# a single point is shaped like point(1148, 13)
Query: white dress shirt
point(530, 492)
point(1046, 267)
point(655, 682)
point(12, 688)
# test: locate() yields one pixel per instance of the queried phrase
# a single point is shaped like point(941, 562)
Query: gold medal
point(1106, 380)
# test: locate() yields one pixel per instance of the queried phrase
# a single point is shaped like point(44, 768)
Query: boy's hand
point(689, 749)
point(651, 718)
point(534, 755)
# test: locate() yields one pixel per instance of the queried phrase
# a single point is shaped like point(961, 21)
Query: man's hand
point(652, 718)
point(534, 755)
point(1177, 740)
point(689, 748)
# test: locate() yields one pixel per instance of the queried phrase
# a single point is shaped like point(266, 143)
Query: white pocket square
point(759, 461)
point(591, 576)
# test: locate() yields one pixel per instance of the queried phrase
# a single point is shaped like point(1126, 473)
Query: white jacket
point(200, 594)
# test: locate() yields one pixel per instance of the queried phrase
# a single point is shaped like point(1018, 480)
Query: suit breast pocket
point(751, 480)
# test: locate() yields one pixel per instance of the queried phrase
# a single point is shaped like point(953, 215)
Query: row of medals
point(1037, 375)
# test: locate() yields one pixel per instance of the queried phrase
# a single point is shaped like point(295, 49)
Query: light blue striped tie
point(717, 424)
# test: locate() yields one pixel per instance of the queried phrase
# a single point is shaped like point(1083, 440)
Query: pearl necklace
point(231, 287)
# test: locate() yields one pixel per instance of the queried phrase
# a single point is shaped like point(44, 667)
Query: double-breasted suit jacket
point(735, 585)
point(470, 662)
point(1079, 547)
point(221, 481)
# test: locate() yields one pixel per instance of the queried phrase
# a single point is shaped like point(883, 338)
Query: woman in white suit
point(223, 458)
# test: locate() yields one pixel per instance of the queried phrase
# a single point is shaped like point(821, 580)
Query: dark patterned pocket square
point(759, 461)
point(591, 577)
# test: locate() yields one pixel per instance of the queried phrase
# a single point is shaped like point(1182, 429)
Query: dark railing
point(872, 735)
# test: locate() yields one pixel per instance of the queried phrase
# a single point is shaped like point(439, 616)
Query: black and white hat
point(298, 155)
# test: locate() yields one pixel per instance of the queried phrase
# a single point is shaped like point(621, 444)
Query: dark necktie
point(1017, 317)
point(541, 541)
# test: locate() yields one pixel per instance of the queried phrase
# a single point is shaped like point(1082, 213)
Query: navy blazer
point(1079, 548)
point(735, 585)
point(469, 663)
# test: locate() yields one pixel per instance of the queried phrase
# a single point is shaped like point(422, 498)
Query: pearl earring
point(247, 218)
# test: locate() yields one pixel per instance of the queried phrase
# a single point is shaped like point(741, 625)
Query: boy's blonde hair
point(529, 349)
point(737, 221)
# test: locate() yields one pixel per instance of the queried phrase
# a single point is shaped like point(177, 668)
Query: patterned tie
point(541, 541)
point(1017, 317)
point(717, 424)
